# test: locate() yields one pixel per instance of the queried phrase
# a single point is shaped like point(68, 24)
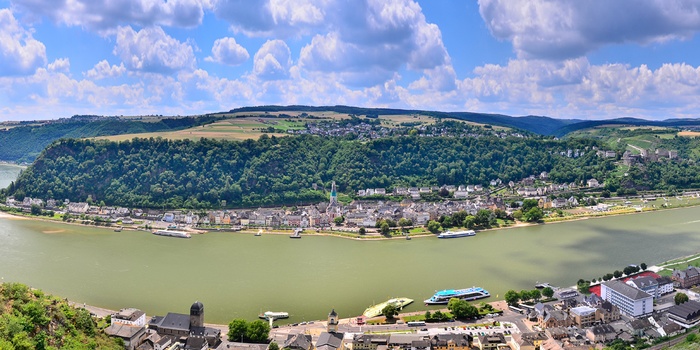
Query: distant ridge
point(541, 125)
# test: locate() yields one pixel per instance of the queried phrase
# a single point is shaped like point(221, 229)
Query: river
point(239, 275)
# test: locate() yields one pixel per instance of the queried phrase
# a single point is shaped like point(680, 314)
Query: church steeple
point(332, 322)
point(334, 196)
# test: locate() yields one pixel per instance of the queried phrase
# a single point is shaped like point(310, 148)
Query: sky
point(594, 59)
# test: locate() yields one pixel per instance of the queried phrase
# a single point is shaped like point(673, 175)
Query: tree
point(512, 297)
point(533, 215)
point(338, 220)
point(258, 331)
point(643, 266)
point(362, 231)
point(384, 228)
point(535, 294)
point(680, 298)
point(237, 330)
point(617, 274)
point(548, 292)
point(273, 346)
point(434, 226)
point(469, 221)
point(461, 309)
point(390, 311)
point(403, 222)
point(529, 204)
point(35, 210)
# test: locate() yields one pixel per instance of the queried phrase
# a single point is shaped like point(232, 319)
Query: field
point(242, 126)
point(689, 133)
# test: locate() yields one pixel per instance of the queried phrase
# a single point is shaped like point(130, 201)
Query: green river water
point(239, 275)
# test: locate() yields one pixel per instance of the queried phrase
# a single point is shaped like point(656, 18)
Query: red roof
point(596, 289)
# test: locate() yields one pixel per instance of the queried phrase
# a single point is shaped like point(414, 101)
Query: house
point(368, 341)
point(298, 341)
point(686, 315)
point(130, 316)
point(451, 342)
point(78, 208)
point(403, 341)
point(686, 278)
point(132, 335)
point(329, 341)
point(492, 341)
point(647, 284)
point(528, 341)
point(593, 183)
point(583, 316)
point(601, 334)
point(665, 285)
point(606, 312)
point(631, 301)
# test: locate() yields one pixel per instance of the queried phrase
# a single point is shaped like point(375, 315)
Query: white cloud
point(272, 61)
point(60, 65)
point(228, 51)
point(277, 18)
point(20, 53)
point(571, 28)
point(106, 15)
point(104, 70)
point(152, 50)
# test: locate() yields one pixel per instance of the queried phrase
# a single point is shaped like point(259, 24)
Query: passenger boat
point(455, 234)
point(171, 233)
point(542, 285)
point(444, 296)
point(376, 310)
point(273, 315)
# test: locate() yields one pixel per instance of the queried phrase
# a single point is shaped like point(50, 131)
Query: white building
point(631, 301)
point(130, 316)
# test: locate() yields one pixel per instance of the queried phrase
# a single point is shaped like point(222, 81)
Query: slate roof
point(627, 290)
point(122, 330)
point(176, 321)
point(603, 329)
point(689, 310)
point(298, 341)
point(331, 340)
point(644, 282)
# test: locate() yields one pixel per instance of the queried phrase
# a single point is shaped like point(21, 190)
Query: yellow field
point(689, 133)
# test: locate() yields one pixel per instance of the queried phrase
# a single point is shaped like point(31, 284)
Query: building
point(686, 278)
point(665, 285)
point(451, 342)
point(329, 341)
point(631, 301)
point(686, 315)
point(186, 327)
point(601, 334)
point(332, 322)
point(491, 341)
point(131, 335)
point(334, 196)
point(583, 316)
point(647, 284)
point(130, 316)
point(298, 342)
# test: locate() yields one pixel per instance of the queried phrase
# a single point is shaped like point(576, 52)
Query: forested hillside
point(273, 171)
point(31, 320)
point(24, 143)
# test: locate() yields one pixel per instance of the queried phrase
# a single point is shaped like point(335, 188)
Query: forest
point(160, 173)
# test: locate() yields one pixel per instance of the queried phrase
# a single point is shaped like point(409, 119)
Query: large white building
point(631, 301)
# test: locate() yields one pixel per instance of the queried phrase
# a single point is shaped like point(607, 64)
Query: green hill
point(29, 319)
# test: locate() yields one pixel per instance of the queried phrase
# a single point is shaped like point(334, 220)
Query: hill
point(21, 143)
point(30, 319)
point(276, 171)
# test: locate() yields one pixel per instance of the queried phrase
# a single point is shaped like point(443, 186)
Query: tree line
point(210, 173)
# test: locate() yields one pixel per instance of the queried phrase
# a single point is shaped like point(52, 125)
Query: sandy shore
point(4, 215)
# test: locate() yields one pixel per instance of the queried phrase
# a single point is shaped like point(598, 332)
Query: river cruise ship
point(455, 234)
point(444, 296)
point(171, 233)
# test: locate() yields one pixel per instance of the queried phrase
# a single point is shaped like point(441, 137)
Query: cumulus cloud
point(107, 15)
point(152, 50)
point(60, 65)
point(104, 70)
point(570, 28)
point(277, 18)
point(272, 61)
point(20, 53)
point(228, 51)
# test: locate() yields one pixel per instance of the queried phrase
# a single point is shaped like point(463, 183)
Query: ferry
point(542, 285)
point(171, 233)
point(455, 234)
point(376, 310)
point(444, 296)
point(297, 233)
point(273, 315)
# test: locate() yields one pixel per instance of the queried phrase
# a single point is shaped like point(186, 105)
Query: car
point(294, 324)
point(302, 324)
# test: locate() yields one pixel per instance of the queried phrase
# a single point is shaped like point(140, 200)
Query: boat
point(172, 226)
point(455, 234)
point(171, 233)
point(376, 310)
point(118, 229)
point(296, 234)
point(542, 285)
point(444, 296)
point(273, 315)
point(259, 233)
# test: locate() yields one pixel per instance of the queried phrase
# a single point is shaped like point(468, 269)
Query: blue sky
point(566, 59)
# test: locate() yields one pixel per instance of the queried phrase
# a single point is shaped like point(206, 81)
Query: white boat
point(171, 233)
point(444, 296)
point(259, 233)
point(273, 315)
point(455, 234)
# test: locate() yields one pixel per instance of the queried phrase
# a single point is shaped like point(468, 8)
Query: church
point(187, 329)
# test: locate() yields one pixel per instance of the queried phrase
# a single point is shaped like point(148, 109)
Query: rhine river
point(239, 275)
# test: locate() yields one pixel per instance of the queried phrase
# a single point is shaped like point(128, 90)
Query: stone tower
point(332, 322)
point(197, 315)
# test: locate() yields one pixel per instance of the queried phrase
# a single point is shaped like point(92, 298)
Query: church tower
point(197, 315)
point(332, 322)
point(334, 196)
